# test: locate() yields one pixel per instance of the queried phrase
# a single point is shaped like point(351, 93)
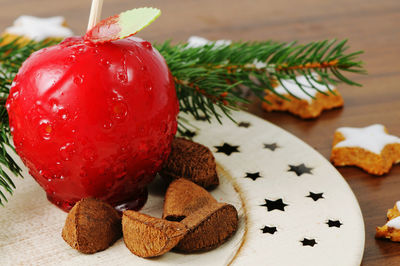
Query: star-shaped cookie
point(370, 148)
point(39, 29)
point(306, 102)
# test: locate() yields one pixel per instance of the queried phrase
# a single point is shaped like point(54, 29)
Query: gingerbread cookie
point(29, 28)
point(303, 105)
point(391, 230)
point(370, 148)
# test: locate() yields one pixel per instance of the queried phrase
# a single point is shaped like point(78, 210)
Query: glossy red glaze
point(94, 120)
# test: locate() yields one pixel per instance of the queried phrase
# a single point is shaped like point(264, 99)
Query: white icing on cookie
point(39, 29)
point(196, 42)
point(372, 138)
point(295, 89)
point(394, 223)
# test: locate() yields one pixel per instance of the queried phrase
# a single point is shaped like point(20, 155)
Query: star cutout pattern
point(189, 134)
point(315, 196)
point(39, 29)
point(272, 146)
point(274, 205)
point(227, 149)
point(269, 230)
point(334, 223)
point(244, 124)
point(300, 169)
point(308, 242)
point(253, 176)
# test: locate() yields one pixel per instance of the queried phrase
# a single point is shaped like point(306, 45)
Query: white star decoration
point(39, 29)
point(372, 138)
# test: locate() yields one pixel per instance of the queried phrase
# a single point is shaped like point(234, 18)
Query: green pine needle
point(209, 79)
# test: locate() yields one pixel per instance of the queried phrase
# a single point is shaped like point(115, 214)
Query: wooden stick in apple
point(95, 13)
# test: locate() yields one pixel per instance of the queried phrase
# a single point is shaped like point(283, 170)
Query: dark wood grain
point(372, 26)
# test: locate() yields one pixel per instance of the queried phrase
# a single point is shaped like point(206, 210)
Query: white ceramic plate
point(294, 208)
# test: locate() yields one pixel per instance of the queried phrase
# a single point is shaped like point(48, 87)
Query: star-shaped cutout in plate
point(274, 205)
point(308, 242)
point(334, 223)
point(39, 29)
point(269, 230)
point(227, 149)
point(253, 176)
point(244, 124)
point(300, 169)
point(272, 146)
point(316, 196)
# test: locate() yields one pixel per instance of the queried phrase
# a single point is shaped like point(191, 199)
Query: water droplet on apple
point(122, 77)
point(12, 129)
point(89, 154)
point(148, 86)
point(120, 110)
point(45, 129)
point(143, 147)
point(67, 151)
point(119, 170)
point(15, 95)
point(105, 62)
point(71, 58)
point(78, 80)
point(83, 173)
point(147, 45)
point(108, 125)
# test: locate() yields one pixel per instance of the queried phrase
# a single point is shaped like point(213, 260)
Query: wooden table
point(372, 26)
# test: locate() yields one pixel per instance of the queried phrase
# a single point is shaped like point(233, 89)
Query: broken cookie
point(91, 226)
point(391, 230)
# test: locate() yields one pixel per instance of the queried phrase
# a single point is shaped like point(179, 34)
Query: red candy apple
point(94, 119)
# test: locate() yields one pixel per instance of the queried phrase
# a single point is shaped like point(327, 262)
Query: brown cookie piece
point(183, 198)
point(147, 236)
point(192, 161)
point(209, 227)
point(91, 226)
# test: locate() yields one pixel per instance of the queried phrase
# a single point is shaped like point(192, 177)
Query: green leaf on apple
point(123, 25)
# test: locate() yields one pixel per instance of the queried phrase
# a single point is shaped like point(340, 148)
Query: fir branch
point(208, 79)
